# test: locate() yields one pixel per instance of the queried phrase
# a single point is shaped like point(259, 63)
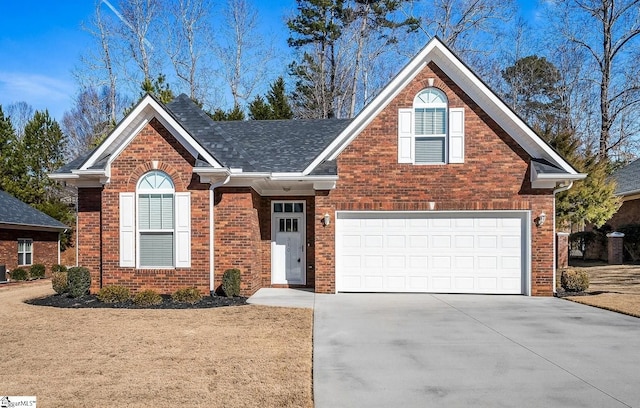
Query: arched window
point(156, 218)
point(430, 116)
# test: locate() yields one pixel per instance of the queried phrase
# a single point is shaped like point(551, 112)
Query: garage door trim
point(524, 215)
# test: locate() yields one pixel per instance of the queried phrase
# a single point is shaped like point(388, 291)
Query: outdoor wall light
point(541, 219)
point(326, 219)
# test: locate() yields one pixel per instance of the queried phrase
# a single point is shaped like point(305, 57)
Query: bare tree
point(139, 19)
point(20, 114)
point(188, 45)
point(244, 54)
point(88, 122)
point(609, 32)
point(100, 64)
point(474, 29)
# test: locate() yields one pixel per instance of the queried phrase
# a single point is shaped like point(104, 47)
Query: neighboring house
point(436, 186)
point(27, 236)
point(628, 189)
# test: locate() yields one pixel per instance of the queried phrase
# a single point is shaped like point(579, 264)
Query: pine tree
point(278, 101)
point(220, 115)
point(259, 109)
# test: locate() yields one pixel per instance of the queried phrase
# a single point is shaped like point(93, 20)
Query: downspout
point(555, 250)
point(212, 232)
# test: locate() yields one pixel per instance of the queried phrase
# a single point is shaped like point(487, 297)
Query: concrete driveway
point(397, 350)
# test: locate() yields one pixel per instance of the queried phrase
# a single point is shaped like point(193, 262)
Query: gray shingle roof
point(258, 145)
point(15, 212)
point(628, 178)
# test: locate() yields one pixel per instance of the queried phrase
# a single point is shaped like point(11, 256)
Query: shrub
point(19, 274)
point(58, 268)
point(59, 282)
point(147, 298)
point(37, 271)
point(187, 295)
point(79, 281)
point(574, 280)
point(114, 294)
point(231, 282)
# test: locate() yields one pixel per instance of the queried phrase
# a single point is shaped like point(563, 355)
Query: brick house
point(436, 186)
point(27, 236)
point(628, 189)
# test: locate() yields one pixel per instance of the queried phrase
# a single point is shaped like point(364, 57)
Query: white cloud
point(40, 91)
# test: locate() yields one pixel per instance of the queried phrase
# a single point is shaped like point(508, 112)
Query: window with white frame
point(430, 132)
point(25, 251)
point(430, 115)
point(156, 220)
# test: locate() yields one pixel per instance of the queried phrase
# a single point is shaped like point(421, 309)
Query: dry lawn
point(247, 356)
point(612, 287)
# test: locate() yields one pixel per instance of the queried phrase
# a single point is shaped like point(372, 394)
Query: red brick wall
point(45, 248)
point(629, 213)
point(153, 143)
point(237, 236)
point(89, 238)
point(494, 176)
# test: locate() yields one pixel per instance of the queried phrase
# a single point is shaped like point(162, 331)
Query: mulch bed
point(91, 301)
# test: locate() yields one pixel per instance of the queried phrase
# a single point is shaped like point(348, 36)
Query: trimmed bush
point(79, 281)
point(59, 282)
point(114, 294)
point(187, 295)
point(147, 298)
point(231, 282)
point(58, 268)
point(37, 271)
point(574, 280)
point(19, 274)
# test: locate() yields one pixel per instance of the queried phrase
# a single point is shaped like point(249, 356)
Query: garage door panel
point(430, 252)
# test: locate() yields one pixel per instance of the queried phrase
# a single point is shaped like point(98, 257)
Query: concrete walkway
point(384, 350)
point(304, 298)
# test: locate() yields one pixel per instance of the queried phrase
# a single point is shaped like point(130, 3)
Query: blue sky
point(41, 41)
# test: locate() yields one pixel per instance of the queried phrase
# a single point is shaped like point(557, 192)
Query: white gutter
point(555, 249)
point(212, 231)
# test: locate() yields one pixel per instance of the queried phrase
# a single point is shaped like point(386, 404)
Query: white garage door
point(445, 252)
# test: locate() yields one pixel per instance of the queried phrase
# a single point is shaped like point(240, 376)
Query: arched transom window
point(156, 218)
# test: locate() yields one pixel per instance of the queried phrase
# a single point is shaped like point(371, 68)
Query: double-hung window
point(156, 220)
point(430, 132)
point(430, 115)
point(155, 224)
point(25, 251)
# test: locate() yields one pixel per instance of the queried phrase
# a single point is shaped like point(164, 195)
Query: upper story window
point(156, 220)
point(430, 132)
point(430, 115)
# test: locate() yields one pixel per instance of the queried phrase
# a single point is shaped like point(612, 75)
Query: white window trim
point(29, 240)
point(139, 231)
point(419, 104)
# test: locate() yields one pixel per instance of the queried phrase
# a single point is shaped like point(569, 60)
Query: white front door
point(287, 245)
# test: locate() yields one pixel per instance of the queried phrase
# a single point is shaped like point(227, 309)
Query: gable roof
point(627, 179)
point(435, 51)
point(15, 213)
